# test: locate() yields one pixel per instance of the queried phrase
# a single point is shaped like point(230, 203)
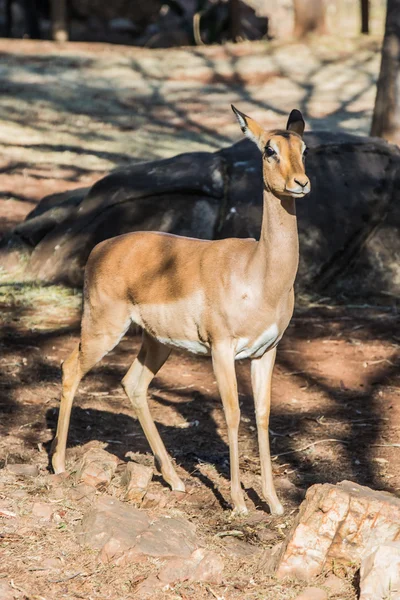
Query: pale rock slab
point(340, 523)
point(136, 479)
point(96, 467)
point(380, 573)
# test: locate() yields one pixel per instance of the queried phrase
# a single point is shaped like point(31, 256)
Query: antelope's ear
point(250, 128)
point(296, 122)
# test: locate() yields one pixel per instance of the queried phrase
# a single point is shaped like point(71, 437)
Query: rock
point(97, 467)
point(6, 591)
point(148, 587)
point(110, 554)
point(136, 479)
point(112, 550)
point(312, 593)
point(42, 510)
point(23, 470)
point(154, 500)
point(111, 518)
point(168, 537)
point(334, 584)
point(338, 523)
point(380, 573)
point(202, 565)
point(123, 533)
point(81, 492)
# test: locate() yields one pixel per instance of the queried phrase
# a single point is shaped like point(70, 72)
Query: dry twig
point(328, 440)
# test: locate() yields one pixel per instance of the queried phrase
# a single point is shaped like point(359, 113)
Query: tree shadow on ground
point(203, 444)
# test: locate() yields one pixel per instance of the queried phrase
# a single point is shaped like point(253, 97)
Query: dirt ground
point(335, 411)
point(335, 416)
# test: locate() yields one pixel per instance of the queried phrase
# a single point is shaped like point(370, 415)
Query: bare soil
point(335, 411)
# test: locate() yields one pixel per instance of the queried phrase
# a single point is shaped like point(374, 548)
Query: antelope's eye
point(269, 151)
point(305, 152)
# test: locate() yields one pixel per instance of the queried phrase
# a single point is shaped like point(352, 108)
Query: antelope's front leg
point(224, 369)
point(261, 380)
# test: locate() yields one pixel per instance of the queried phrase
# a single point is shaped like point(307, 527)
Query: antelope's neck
point(277, 255)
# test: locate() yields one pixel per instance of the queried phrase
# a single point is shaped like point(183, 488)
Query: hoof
point(58, 465)
point(239, 511)
point(178, 486)
point(277, 509)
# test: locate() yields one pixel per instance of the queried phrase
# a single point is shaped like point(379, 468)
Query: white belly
point(269, 338)
point(193, 346)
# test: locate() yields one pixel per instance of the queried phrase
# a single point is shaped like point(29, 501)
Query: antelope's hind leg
point(149, 361)
point(98, 337)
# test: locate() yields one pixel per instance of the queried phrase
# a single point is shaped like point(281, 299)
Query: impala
point(230, 299)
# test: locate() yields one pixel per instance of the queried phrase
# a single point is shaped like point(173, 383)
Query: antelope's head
point(283, 153)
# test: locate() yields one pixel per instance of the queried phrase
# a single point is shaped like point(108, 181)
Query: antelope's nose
point(302, 181)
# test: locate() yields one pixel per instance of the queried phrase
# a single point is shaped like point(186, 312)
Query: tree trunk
point(364, 16)
point(309, 17)
point(386, 118)
point(59, 27)
point(8, 19)
point(234, 20)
